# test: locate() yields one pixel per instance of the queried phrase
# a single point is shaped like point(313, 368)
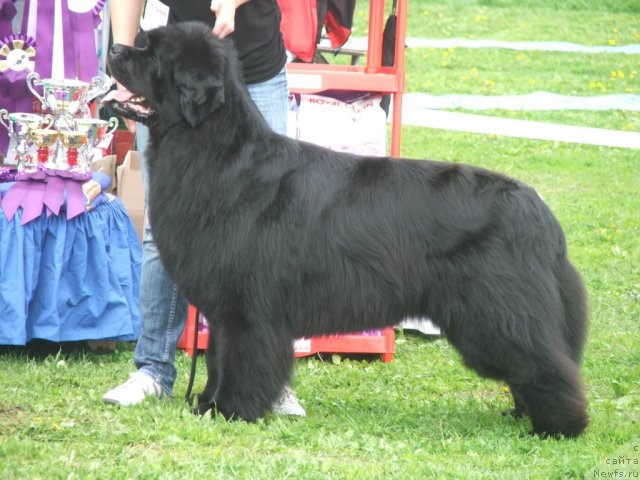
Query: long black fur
point(275, 239)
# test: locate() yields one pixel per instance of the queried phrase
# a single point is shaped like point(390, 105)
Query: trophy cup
point(44, 140)
point(66, 98)
point(96, 129)
point(19, 125)
point(72, 141)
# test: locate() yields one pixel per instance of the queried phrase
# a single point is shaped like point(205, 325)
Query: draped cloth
point(65, 274)
point(70, 280)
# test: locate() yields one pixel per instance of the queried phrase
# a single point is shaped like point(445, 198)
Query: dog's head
point(171, 74)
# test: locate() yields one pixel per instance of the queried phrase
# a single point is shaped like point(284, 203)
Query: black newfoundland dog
point(275, 239)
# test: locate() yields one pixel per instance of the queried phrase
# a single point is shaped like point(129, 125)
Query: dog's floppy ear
point(200, 92)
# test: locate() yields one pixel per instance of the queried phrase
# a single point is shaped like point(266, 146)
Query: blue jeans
point(163, 308)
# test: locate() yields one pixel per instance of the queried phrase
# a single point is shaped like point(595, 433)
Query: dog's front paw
point(203, 408)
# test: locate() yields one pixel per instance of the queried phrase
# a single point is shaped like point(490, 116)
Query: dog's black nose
point(116, 48)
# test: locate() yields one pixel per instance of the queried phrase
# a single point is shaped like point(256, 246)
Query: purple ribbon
point(52, 198)
point(76, 201)
point(46, 190)
point(32, 202)
point(13, 199)
point(7, 12)
point(14, 95)
point(13, 87)
point(78, 36)
point(84, 41)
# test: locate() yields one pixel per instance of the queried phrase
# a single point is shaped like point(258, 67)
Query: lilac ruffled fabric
point(45, 191)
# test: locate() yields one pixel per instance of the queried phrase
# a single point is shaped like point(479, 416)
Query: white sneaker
point(288, 404)
point(135, 390)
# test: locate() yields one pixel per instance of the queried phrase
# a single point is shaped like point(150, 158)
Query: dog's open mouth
point(129, 104)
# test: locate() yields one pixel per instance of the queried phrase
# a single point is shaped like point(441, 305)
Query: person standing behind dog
point(254, 26)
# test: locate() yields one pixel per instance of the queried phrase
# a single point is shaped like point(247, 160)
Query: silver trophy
point(19, 125)
point(66, 98)
point(96, 129)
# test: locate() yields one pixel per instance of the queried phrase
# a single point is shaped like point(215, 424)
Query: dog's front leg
point(252, 363)
point(206, 397)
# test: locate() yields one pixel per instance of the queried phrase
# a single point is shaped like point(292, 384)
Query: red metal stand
point(314, 78)
point(186, 340)
point(380, 343)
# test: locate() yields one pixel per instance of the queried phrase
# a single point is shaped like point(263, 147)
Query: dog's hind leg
point(520, 409)
point(546, 386)
point(253, 364)
point(554, 398)
point(532, 356)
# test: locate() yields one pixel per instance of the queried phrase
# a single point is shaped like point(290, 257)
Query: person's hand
point(225, 11)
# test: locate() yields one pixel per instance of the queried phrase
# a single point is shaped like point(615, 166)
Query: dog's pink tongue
point(118, 96)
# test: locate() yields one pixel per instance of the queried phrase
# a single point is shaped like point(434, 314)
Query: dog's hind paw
point(515, 412)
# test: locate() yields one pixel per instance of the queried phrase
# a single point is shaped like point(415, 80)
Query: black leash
point(194, 360)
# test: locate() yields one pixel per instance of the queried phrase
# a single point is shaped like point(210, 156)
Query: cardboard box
point(107, 166)
point(130, 189)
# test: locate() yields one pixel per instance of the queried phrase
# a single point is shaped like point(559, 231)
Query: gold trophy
point(72, 141)
point(44, 140)
point(96, 129)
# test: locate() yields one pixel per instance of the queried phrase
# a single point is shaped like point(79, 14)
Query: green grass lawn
point(423, 415)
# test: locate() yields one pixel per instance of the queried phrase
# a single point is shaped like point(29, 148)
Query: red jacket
point(300, 20)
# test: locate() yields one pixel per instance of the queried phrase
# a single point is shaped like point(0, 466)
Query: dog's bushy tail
point(574, 301)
